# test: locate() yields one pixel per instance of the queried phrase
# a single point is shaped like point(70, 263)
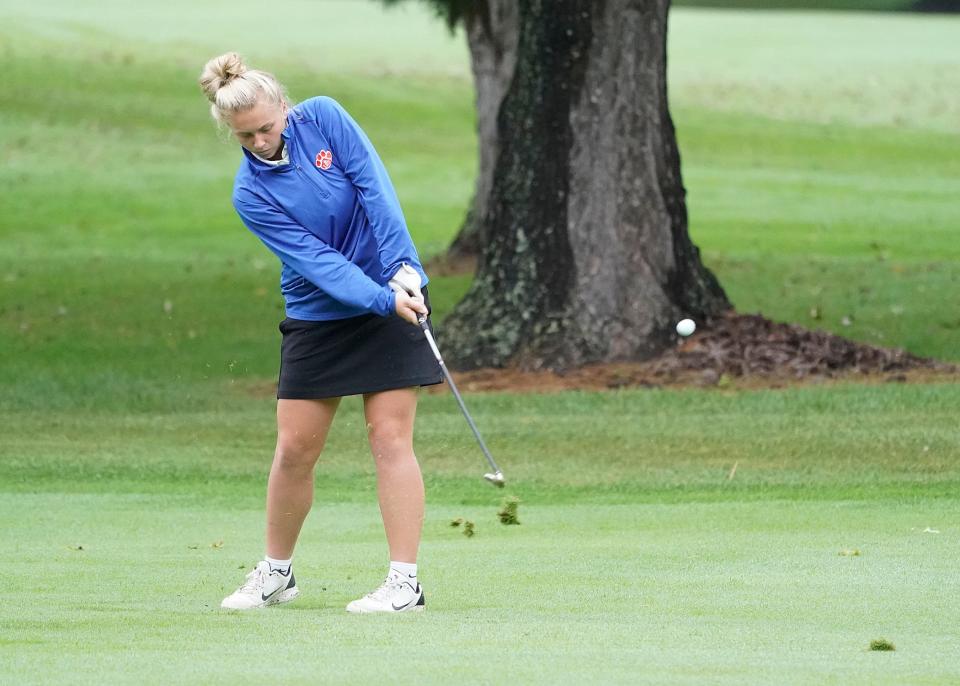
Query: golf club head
point(496, 479)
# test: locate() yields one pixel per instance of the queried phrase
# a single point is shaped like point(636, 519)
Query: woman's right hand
point(409, 308)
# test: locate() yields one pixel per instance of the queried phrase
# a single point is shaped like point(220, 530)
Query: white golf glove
point(407, 280)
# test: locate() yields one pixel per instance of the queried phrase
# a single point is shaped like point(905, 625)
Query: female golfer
point(313, 189)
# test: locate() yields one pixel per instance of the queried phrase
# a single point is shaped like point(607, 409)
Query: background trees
point(579, 209)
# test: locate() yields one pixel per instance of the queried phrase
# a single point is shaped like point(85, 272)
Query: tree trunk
point(492, 32)
point(586, 255)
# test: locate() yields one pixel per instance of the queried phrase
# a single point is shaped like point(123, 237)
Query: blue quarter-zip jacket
point(331, 216)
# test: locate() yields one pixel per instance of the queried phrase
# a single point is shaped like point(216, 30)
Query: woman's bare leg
point(302, 427)
point(390, 416)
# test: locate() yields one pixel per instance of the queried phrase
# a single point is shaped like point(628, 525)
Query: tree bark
point(492, 30)
point(586, 252)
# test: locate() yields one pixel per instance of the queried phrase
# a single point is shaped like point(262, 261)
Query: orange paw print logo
point(324, 159)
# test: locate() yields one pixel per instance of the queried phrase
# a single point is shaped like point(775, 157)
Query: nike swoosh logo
point(288, 576)
point(265, 598)
point(415, 599)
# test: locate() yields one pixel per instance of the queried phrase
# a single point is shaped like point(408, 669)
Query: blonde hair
point(232, 87)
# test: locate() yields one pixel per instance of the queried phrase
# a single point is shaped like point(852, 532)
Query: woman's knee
point(296, 453)
point(390, 440)
point(390, 416)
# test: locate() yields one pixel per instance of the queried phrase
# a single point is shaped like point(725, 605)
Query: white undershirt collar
point(284, 158)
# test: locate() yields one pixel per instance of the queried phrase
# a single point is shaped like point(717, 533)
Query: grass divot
point(508, 511)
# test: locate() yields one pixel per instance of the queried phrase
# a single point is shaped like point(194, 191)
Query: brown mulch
point(741, 351)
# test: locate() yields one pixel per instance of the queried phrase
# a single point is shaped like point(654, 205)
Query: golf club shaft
point(456, 394)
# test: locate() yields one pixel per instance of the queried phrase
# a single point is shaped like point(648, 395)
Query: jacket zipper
point(323, 192)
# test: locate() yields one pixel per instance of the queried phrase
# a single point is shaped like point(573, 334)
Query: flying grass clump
point(881, 644)
point(467, 525)
point(508, 512)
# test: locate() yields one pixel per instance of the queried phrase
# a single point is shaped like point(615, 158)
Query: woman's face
point(258, 129)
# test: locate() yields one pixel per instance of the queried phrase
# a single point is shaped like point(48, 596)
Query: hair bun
point(231, 86)
point(219, 72)
point(231, 66)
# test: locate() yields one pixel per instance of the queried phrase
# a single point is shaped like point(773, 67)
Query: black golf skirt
point(367, 354)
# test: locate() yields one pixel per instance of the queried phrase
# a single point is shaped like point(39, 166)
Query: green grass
point(805, 5)
point(833, 191)
point(138, 347)
point(602, 447)
point(722, 593)
point(671, 571)
point(818, 67)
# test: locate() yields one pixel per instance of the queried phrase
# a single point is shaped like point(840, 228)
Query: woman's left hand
point(407, 279)
point(410, 308)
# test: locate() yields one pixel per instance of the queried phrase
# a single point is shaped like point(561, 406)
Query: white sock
point(408, 569)
point(282, 566)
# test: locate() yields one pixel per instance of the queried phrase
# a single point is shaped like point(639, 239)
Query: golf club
point(496, 476)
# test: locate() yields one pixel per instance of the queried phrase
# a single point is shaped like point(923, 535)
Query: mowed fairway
point(684, 593)
point(689, 536)
point(638, 558)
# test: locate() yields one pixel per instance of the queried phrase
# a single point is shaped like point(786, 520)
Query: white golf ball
point(685, 327)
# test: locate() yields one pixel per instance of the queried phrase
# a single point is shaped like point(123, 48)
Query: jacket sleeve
point(355, 154)
point(310, 257)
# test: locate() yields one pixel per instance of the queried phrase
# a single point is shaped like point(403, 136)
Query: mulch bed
point(736, 350)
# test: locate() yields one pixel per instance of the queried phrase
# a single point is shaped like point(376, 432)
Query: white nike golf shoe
point(398, 593)
point(264, 586)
